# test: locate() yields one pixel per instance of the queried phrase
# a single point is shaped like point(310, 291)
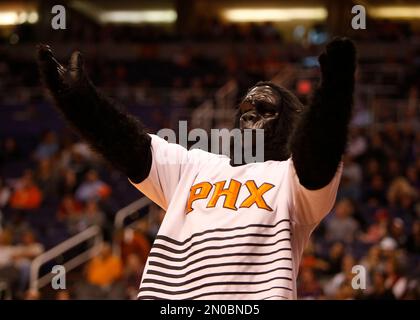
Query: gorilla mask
point(274, 109)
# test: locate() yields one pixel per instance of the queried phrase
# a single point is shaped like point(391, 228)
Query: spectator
point(92, 188)
point(397, 232)
point(335, 258)
point(32, 294)
point(342, 226)
point(9, 274)
point(134, 242)
point(48, 146)
point(68, 182)
point(309, 287)
point(92, 215)
point(378, 229)
point(395, 281)
point(23, 254)
point(46, 177)
point(70, 212)
point(27, 195)
point(62, 295)
point(105, 269)
point(332, 287)
point(379, 291)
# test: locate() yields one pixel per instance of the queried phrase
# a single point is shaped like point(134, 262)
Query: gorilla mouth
point(259, 124)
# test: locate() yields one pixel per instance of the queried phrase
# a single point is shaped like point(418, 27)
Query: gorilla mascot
point(230, 231)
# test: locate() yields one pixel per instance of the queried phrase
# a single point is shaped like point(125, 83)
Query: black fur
point(119, 137)
point(315, 138)
point(320, 137)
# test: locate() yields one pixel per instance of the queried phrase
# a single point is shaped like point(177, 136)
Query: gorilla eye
point(266, 109)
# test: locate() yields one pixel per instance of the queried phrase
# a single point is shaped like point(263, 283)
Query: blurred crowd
point(375, 223)
point(61, 192)
point(52, 186)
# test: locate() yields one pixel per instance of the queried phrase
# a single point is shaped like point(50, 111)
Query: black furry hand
point(56, 77)
point(109, 129)
point(338, 63)
point(320, 137)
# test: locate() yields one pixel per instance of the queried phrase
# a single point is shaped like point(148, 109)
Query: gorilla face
point(275, 110)
point(259, 108)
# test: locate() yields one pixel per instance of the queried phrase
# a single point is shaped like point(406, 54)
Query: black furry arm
point(118, 136)
point(319, 139)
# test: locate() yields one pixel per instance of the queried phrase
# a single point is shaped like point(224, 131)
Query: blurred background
point(174, 60)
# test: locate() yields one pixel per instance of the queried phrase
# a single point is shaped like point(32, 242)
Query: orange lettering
point(231, 194)
point(204, 187)
point(256, 195)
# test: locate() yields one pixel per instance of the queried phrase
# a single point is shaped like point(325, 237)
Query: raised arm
point(320, 137)
point(118, 136)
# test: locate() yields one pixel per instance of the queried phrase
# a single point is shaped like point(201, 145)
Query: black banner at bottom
point(78, 310)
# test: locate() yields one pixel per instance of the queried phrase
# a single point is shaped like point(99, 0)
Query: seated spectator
point(46, 177)
point(379, 290)
point(372, 260)
point(351, 180)
point(27, 195)
point(335, 258)
point(332, 287)
point(92, 188)
point(48, 146)
point(70, 212)
point(342, 226)
point(378, 229)
point(357, 143)
point(9, 274)
point(397, 232)
point(67, 183)
point(134, 242)
point(68, 207)
point(375, 190)
point(311, 261)
point(92, 215)
point(24, 252)
point(62, 295)
point(395, 280)
point(32, 294)
point(309, 287)
point(104, 269)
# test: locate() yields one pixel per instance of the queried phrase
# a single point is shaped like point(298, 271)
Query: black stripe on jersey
point(215, 265)
point(160, 255)
point(209, 275)
point(222, 256)
point(206, 293)
point(210, 284)
point(276, 296)
point(180, 243)
point(161, 246)
point(251, 244)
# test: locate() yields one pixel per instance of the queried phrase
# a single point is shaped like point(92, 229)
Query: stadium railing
point(92, 233)
point(124, 213)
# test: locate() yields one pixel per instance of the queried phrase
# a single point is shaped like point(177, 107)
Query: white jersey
point(229, 232)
